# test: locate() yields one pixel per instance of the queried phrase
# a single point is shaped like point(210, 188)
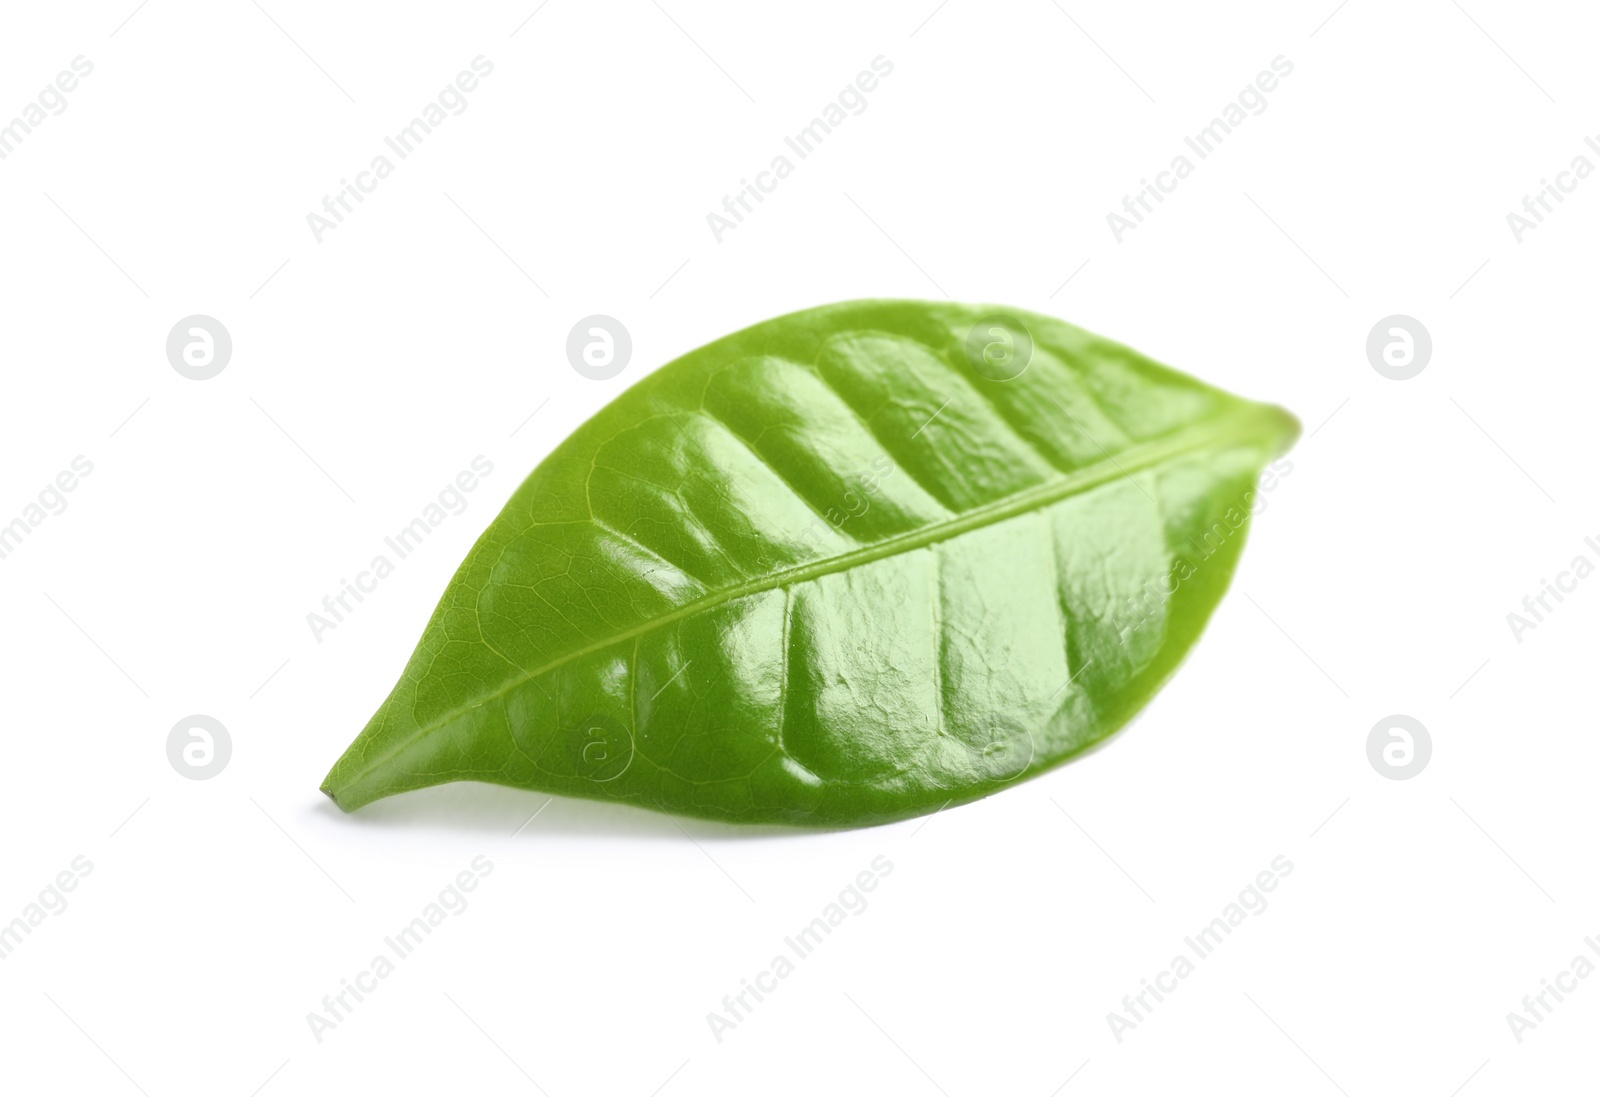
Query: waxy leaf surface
point(835, 569)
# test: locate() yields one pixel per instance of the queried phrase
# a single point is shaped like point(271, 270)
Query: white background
point(370, 368)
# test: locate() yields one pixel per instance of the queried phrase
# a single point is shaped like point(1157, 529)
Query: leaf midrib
point(1253, 422)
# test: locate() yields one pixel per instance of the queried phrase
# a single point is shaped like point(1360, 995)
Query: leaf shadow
point(479, 808)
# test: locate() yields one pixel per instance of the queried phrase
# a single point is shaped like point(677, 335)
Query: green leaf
point(840, 568)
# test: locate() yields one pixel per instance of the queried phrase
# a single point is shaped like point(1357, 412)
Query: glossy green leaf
point(843, 567)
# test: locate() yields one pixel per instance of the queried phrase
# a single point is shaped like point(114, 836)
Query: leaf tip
point(327, 790)
point(1290, 426)
point(338, 786)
